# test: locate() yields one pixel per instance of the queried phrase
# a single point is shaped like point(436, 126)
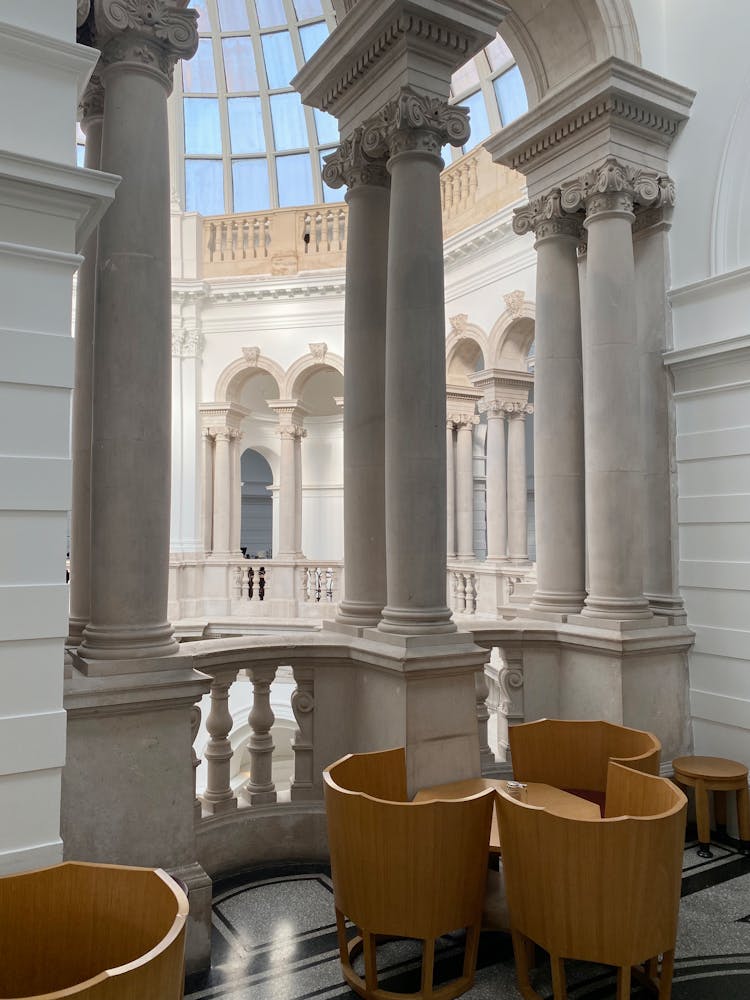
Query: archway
point(256, 528)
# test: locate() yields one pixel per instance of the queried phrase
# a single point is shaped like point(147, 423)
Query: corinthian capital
point(544, 216)
point(148, 33)
point(92, 101)
point(413, 121)
point(617, 187)
point(350, 165)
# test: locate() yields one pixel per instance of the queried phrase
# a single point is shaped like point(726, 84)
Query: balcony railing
point(286, 241)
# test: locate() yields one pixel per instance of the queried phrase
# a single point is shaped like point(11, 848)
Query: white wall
point(705, 47)
point(42, 72)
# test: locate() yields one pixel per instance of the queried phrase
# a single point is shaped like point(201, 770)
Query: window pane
point(465, 78)
point(251, 191)
point(312, 37)
point(204, 22)
point(294, 175)
point(198, 74)
point(204, 187)
point(327, 126)
point(329, 193)
point(280, 64)
point(480, 126)
point(270, 13)
point(202, 129)
point(289, 129)
point(80, 155)
point(499, 54)
point(308, 8)
point(246, 125)
point(511, 95)
point(239, 64)
point(233, 15)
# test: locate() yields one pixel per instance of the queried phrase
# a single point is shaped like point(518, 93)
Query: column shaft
point(450, 465)
point(132, 359)
point(517, 495)
point(80, 518)
point(287, 495)
point(207, 471)
point(222, 498)
point(298, 496)
point(465, 489)
point(497, 503)
point(415, 471)
point(235, 492)
point(364, 395)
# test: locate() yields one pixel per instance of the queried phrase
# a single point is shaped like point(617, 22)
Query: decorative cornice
point(413, 122)
point(613, 186)
point(149, 35)
point(349, 165)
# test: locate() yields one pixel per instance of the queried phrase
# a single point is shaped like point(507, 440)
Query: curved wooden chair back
point(381, 774)
point(574, 754)
point(404, 869)
point(598, 890)
point(96, 932)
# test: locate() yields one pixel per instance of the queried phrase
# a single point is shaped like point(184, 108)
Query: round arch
point(460, 332)
point(298, 373)
point(512, 336)
point(231, 379)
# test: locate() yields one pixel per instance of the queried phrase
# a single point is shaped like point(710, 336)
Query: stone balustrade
point(287, 241)
point(487, 588)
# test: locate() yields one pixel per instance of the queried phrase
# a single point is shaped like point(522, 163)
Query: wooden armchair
point(603, 890)
point(574, 755)
point(94, 932)
point(403, 869)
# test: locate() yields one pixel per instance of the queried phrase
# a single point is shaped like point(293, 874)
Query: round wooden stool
point(720, 776)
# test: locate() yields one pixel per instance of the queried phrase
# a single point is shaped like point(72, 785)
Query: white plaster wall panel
point(29, 539)
point(20, 660)
point(57, 18)
point(33, 802)
point(32, 612)
point(23, 273)
point(712, 310)
point(703, 667)
point(39, 359)
point(34, 483)
point(34, 420)
point(323, 523)
point(41, 735)
point(45, 76)
point(33, 223)
point(723, 475)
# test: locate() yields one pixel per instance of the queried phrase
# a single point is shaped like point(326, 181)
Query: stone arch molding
point(460, 330)
point(230, 380)
point(504, 350)
point(318, 359)
point(550, 50)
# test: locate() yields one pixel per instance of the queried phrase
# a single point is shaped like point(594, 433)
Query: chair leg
point(371, 964)
point(471, 949)
point(341, 935)
point(704, 822)
point(559, 986)
point(520, 955)
point(667, 971)
point(720, 810)
point(428, 965)
point(623, 982)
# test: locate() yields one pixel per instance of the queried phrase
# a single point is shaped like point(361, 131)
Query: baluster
point(305, 585)
point(471, 601)
point(329, 585)
point(195, 724)
point(460, 593)
point(303, 703)
point(260, 787)
point(256, 237)
point(473, 179)
point(482, 688)
point(266, 236)
point(238, 582)
point(318, 231)
point(262, 583)
point(223, 240)
point(329, 230)
point(211, 241)
point(245, 238)
point(343, 223)
point(306, 232)
point(250, 583)
point(318, 584)
point(234, 234)
point(218, 796)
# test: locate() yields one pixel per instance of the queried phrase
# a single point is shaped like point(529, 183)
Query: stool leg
point(720, 811)
point(743, 817)
point(704, 823)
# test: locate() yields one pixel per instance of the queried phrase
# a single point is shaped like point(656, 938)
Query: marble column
point(497, 500)
point(613, 447)
point(414, 128)
point(222, 520)
point(92, 117)
point(465, 486)
point(130, 499)
point(207, 471)
point(291, 432)
point(450, 483)
point(558, 408)
point(368, 198)
point(235, 491)
point(518, 521)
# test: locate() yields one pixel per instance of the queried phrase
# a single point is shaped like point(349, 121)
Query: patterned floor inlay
point(274, 938)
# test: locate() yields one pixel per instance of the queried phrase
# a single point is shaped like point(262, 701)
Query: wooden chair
point(604, 890)
point(403, 869)
point(93, 932)
point(574, 755)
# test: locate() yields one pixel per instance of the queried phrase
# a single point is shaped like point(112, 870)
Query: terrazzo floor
point(274, 938)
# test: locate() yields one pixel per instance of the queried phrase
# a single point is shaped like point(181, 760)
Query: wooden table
point(555, 800)
point(720, 776)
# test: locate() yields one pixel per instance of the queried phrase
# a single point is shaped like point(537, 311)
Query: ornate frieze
point(414, 122)
point(150, 34)
point(616, 187)
point(349, 165)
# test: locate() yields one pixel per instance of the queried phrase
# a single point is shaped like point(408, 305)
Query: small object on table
point(720, 776)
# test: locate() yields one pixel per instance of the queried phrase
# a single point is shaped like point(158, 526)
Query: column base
point(105, 642)
point(617, 609)
point(76, 627)
point(668, 606)
point(359, 614)
point(422, 621)
point(549, 605)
